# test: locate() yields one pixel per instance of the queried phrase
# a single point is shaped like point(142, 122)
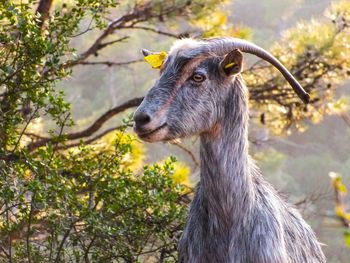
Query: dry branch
point(129, 21)
point(91, 140)
point(159, 32)
point(93, 128)
point(98, 44)
point(110, 63)
point(188, 151)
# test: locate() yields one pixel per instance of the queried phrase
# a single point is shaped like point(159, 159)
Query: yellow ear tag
point(156, 60)
point(229, 65)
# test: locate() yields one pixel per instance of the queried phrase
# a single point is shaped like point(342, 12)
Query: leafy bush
point(87, 204)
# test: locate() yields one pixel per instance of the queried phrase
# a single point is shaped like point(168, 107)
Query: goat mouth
point(150, 133)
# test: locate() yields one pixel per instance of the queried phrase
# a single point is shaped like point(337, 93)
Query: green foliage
point(87, 204)
point(31, 62)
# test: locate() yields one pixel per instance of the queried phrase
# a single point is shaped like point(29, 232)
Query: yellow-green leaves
point(216, 25)
point(318, 50)
point(340, 192)
point(337, 183)
point(156, 60)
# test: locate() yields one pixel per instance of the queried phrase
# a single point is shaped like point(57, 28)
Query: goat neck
point(226, 183)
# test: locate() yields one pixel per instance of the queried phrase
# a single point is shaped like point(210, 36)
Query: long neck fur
point(226, 182)
point(235, 216)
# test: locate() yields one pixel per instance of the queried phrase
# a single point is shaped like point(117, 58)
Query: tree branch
point(44, 11)
point(64, 238)
point(29, 225)
point(89, 141)
point(110, 63)
point(160, 32)
point(189, 152)
point(103, 45)
point(139, 14)
point(97, 45)
point(93, 128)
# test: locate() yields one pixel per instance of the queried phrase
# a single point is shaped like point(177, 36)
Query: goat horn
point(222, 46)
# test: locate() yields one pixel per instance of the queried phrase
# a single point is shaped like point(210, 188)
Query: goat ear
point(231, 63)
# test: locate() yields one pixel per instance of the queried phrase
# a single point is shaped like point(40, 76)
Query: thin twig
point(9, 236)
point(97, 44)
point(89, 141)
point(140, 14)
point(103, 45)
point(28, 228)
point(86, 253)
point(160, 32)
point(189, 152)
point(89, 28)
point(33, 135)
point(65, 236)
point(24, 129)
point(5, 252)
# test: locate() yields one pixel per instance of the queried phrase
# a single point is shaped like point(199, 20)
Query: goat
point(235, 216)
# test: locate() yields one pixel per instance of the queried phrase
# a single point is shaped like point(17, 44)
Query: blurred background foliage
point(75, 183)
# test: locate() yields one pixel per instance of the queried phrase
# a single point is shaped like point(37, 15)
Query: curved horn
point(222, 46)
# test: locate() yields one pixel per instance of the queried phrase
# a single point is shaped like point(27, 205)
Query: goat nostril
point(142, 118)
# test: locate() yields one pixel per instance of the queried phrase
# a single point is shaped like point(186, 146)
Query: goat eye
point(198, 77)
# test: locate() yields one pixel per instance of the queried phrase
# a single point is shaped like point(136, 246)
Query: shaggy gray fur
point(236, 216)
